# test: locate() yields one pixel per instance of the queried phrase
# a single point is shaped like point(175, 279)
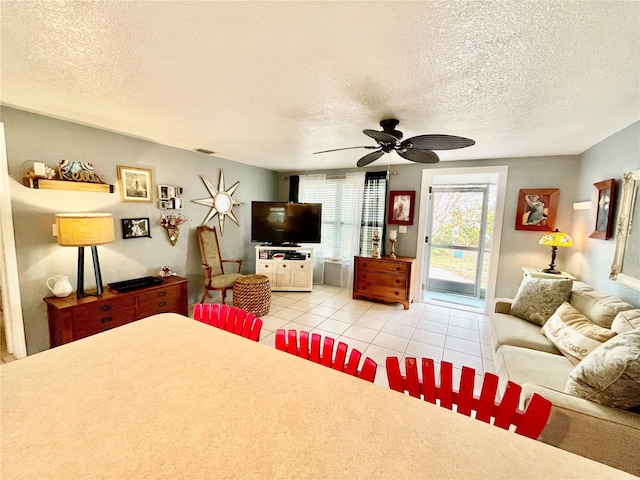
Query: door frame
point(11, 302)
point(427, 180)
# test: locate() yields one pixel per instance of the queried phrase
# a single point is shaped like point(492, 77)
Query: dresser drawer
point(160, 300)
point(377, 291)
point(84, 325)
point(105, 307)
point(377, 267)
point(382, 279)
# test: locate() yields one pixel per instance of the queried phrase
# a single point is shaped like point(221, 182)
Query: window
point(341, 200)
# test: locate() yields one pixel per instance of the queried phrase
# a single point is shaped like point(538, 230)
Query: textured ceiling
point(268, 83)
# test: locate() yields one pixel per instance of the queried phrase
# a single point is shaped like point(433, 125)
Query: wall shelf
point(40, 183)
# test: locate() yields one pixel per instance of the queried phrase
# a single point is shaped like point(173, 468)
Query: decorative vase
point(61, 286)
point(173, 234)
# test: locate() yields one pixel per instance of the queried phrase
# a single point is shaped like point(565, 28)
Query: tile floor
point(379, 330)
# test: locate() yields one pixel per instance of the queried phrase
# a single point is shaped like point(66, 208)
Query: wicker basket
point(253, 294)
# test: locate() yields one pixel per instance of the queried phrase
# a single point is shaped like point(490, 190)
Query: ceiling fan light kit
point(417, 149)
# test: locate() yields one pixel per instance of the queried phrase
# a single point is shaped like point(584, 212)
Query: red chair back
point(231, 319)
point(503, 414)
point(322, 352)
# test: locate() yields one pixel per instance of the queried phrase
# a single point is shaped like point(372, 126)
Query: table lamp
point(86, 230)
point(555, 239)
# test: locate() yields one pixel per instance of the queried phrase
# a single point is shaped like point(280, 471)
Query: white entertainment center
point(288, 268)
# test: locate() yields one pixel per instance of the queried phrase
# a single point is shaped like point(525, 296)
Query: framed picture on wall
point(537, 208)
point(135, 228)
point(135, 184)
point(401, 207)
point(602, 209)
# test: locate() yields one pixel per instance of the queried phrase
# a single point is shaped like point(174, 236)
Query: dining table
point(168, 397)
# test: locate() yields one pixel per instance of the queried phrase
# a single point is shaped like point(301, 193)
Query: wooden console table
point(386, 279)
point(71, 318)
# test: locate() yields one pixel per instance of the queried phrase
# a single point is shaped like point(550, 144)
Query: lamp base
point(551, 270)
point(80, 293)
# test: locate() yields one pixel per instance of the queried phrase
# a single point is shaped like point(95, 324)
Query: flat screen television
point(285, 223)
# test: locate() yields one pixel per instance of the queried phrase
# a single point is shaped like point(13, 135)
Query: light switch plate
point(402, 229)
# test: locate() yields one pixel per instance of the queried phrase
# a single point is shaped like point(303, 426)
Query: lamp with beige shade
point(86, 230)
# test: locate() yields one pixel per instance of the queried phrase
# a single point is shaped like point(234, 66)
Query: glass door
point(458, 247)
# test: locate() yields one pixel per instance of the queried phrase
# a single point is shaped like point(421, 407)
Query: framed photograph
point(602, 209)
point(135, 184)
point(163, 192)
point(537, 208)
point(401, 207)
point(135, 228)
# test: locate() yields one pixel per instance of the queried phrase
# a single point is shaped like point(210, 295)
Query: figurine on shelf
point(375, 241)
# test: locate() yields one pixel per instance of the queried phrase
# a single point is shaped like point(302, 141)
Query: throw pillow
point(574, 334)
point(627, 320)
point(538, 298)
point(599, 307)
point(610, 375)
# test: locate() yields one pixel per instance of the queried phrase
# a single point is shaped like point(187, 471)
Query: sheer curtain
point(341, 200)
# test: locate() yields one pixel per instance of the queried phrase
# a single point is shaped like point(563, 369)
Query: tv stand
point(289, 269)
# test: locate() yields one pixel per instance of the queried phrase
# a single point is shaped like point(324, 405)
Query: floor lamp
point(554, 240)
point(86, 230)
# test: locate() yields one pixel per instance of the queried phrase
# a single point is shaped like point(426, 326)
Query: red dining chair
point(322, 352)
point(503, 414)
point(231, 319)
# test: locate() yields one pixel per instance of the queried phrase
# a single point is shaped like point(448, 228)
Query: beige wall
point(36, 137)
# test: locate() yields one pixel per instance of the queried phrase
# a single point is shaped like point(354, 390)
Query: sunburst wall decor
point(221, 201)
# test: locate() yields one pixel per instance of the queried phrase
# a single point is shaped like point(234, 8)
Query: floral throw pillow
point(610, 375)
point(538, 298)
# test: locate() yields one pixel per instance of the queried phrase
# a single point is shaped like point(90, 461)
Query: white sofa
point(525, 356)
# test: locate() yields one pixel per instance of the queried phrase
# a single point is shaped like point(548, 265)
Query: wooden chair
point(322, 353)
point(231, 319)
point(503, 414)
point(213, 264)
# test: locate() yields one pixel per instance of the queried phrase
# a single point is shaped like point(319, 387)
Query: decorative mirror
point(221, 201)
point(626, 261)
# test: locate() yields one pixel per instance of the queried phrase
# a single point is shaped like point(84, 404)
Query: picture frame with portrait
point(602, 209)
point(401, 207)
point(135, 184)
point(135, 228)
point(537, 208)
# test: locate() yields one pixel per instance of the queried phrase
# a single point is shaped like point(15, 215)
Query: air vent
point(205, 151)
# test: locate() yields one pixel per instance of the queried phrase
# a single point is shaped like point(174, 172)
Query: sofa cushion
point(522, 365)
point(627, 320)
point(610, 375)
point(574, 334)
point(538, 298)
point(598, 307)
point(510, 330)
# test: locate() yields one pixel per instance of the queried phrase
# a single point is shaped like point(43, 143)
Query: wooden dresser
point(386, 279)
point(71, 318)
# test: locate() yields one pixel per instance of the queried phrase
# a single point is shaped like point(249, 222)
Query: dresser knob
point(105, 308)
point(162, 294)
point(162, 304)
point(104, 320)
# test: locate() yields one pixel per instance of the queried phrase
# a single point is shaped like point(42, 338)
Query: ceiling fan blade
point(371, 157)
point(419, 156)
point(437, 142)
point(370, 147)
point(381, 137)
